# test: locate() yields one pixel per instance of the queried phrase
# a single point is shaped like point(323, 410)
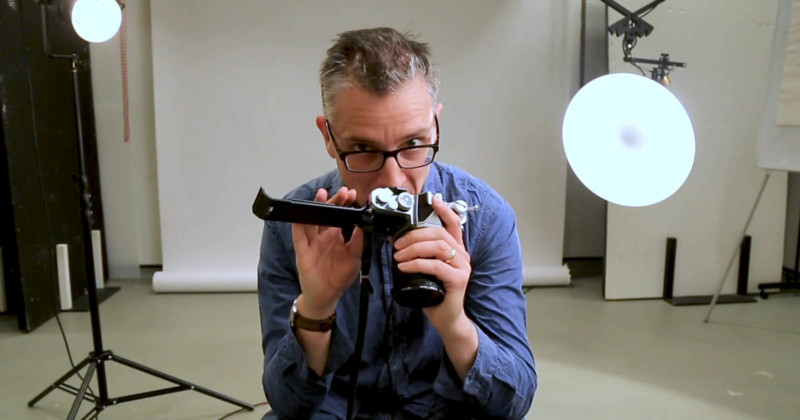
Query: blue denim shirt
point(405, 371)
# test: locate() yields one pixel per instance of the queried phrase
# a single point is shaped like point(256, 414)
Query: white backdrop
point(728, 47)
point(236, 93)
point(128, 175)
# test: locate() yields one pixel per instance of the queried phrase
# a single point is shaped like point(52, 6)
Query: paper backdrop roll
point(202, 281)
point(628, 139)
point(546, 276)
point(188, 281)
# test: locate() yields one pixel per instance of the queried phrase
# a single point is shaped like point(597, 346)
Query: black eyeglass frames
point(373, 160)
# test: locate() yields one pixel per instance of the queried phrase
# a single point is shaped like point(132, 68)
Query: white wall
point(236, 93)
point(728, 47)
point(585, 219)
point(128, 178)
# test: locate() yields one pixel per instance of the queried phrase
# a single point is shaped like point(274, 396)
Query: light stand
point(96, 359)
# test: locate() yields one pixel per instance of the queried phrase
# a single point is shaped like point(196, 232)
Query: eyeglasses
point(372, 160)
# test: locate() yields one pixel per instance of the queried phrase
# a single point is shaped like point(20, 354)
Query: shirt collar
point(434, 181)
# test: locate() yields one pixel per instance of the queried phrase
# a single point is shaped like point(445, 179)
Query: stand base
point(101, 402)
point(706, 299)
point(778, 287)
point(81, 304)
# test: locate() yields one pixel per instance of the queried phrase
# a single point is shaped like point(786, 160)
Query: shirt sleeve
point(503, 379)
point(292, 388)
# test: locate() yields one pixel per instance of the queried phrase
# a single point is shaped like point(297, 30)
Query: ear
point(322, 126)
point(438, 109)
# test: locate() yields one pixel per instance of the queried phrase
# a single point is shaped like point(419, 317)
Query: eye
point(414, 142)
point(361, 147)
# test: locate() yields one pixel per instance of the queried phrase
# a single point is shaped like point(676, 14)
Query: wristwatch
point(320, 325)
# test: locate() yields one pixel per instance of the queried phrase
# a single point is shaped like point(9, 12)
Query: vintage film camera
point(391, 212)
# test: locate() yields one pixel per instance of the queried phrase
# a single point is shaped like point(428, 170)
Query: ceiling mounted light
point(95, 20)
point(628, 139)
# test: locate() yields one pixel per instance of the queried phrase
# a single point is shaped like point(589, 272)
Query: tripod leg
point(92, 414)
point(82, 391)
point(60, 381)
point(178, 381)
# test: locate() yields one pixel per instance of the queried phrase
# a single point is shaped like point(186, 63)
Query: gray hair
point(379, 60)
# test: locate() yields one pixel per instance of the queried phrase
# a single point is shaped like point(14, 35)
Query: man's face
point(364, 121)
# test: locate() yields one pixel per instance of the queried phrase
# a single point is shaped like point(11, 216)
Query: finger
point(440, 270)
point(312, 231)
point(321, 195)
point(449, 218)
point(439, 249)
point(356, 243)
point(345, 197)
point(338, 197)
point(433, 233)
point(443, 251)
point(299, 237)
point(351, 197)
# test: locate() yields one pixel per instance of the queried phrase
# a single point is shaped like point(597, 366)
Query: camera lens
point(415, 290)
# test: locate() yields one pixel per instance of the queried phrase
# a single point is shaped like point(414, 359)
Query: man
point(467, 357)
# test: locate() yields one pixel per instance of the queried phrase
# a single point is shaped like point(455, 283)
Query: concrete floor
point(597, 360)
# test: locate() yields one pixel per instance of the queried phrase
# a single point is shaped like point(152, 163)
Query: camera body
point(391, 212)
point(396, 212)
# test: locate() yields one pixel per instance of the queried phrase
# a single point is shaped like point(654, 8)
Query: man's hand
point(326, 264)
point(430, 251)
point(440, 252)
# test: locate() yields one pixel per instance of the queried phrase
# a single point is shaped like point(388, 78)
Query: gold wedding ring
point(452, 256)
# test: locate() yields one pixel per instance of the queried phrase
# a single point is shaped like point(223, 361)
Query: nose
point(391, 174)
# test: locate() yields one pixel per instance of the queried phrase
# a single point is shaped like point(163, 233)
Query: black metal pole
point(86, 207)
point(796, 274)
point(582, 66)
point(73, 412)
point(744, 265)
point(669, 268)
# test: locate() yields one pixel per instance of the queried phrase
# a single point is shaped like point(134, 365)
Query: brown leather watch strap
point(320, 325)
